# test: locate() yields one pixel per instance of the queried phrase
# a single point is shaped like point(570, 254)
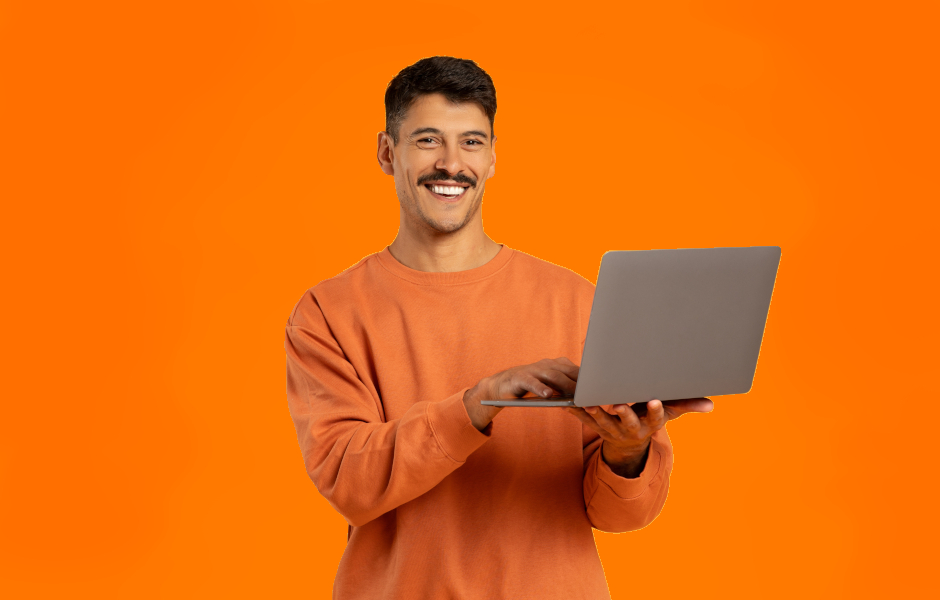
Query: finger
point(568, 363)
point(589, 421)
point(655, 415)
point(557, 379)
point(639, 409)
point(565, 366)
point(629, 419)
point(522, 383)
point(613, 425)
point(677, 408)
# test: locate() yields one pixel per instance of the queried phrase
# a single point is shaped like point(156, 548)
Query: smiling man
point(387, 364)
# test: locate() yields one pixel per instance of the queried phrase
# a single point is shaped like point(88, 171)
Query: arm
point(361, 464)
point(615, 503)
point(631, 441)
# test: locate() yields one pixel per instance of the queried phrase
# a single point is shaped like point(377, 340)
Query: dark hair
point(458, 79)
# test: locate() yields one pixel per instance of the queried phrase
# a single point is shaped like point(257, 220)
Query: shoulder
point(341, 289)
point(548, 271)
point(571, 291)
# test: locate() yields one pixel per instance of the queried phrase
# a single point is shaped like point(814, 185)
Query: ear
point(386, 153)
point(492, 170)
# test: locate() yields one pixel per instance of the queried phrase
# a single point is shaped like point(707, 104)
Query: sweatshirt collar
point(391, 264)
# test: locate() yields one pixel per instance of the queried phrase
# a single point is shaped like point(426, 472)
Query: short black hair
point(457, 79)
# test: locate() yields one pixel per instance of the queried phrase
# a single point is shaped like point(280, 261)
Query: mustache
point(442, 176)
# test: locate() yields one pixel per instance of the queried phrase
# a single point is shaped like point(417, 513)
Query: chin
point(447, 227)
point(446, 223)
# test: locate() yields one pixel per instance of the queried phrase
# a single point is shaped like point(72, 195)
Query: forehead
point(434, 110)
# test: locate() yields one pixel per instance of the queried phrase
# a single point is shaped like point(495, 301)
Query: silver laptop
point(672, 324)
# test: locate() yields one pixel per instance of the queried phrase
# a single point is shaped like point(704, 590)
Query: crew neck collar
point(457, 277)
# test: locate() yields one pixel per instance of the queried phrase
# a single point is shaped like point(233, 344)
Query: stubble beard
point(449, 227)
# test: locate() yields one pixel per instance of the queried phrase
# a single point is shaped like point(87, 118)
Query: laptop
point(672, 324)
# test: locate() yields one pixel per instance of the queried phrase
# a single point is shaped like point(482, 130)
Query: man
point(387, 364)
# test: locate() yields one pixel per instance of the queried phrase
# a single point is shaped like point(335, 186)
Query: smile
point(448, 192)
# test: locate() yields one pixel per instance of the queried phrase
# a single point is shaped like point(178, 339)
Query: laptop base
point(534, 402)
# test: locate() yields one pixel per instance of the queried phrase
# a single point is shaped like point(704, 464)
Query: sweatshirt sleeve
point(616, 504)
point(361, 464)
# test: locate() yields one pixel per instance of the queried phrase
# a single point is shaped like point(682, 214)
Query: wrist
point(480, 415)
point(626, 462)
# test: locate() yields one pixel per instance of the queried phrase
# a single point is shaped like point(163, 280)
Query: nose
point(449, 159)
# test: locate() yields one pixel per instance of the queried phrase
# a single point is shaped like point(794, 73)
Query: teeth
point(447, 190)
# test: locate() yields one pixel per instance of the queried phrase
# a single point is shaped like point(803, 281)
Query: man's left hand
point(626, 429)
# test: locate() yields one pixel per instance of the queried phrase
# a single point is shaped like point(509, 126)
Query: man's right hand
point(542, 379)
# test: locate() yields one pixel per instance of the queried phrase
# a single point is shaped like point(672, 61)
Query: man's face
point(444, 155)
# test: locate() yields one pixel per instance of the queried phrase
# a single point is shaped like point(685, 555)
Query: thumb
point(677, 408)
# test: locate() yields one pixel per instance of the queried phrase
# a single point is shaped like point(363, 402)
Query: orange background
point(176, 175)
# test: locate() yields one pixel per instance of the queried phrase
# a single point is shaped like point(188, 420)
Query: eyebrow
point(436, 131)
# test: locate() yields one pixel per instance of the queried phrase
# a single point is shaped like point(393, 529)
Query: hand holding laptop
point(626, 430)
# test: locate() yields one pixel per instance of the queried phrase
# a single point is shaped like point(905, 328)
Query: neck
point(435, 252)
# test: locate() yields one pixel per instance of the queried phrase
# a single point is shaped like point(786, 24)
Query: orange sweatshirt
point(378, 360)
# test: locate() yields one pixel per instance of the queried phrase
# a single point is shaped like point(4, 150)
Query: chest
point(429, 345)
